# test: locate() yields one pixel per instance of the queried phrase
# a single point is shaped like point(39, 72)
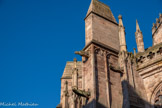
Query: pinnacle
point(157, 19)
point(137, 26)
point(75, 60)
point(120, 17)
point(120, 20)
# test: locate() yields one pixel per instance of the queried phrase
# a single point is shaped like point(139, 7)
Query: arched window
point(157, 97)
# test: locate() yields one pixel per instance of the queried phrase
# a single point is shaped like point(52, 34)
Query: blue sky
point(37, 37)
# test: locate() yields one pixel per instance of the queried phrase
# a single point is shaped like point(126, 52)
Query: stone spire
point(123, 46)
point(139, 38)
point(137, 26)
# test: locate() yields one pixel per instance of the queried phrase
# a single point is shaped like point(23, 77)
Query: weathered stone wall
point(88, 29)
point(101, 80)
point(138, 95)
point(105, 32)
point(88, 74)
point(134, 92)
point(103, 83)
point(115, 87)
point(152, 76)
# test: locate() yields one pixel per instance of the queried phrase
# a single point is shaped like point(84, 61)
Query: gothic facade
point(109, 76)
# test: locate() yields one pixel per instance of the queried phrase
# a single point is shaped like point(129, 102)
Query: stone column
point(107, 56)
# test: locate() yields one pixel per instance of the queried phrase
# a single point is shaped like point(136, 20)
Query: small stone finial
point(160, 17)
point(75, 62)
point(137, 26)
point(154, 25)
point(120, 21)
point(157, 22)
point(134, 49)
point(120, 17)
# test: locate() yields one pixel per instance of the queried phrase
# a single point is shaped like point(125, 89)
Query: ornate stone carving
point(151, 55)
point(81, 93)
point(96, 50)
point(160, 50)
point(141, 59)
point(156, 99)
point(82, 53)
point(116, 69)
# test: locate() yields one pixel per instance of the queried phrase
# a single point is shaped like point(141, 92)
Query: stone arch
point(157, 93)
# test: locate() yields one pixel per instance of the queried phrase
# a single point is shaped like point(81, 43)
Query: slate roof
point(69, 68)
point(101, 9)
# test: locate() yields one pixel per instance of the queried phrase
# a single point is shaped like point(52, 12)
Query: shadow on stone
point(131, 99)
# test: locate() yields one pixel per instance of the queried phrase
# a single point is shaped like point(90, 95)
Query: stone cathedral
point(109, 76)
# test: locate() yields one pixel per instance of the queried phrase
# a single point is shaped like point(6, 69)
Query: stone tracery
point(157, 97)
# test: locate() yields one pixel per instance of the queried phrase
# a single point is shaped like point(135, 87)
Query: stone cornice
point(149, 64)
point(69, 77)
point(101, 45)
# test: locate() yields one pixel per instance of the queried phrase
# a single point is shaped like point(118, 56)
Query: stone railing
point(150, 56)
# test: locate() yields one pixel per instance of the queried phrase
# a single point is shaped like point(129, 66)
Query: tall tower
point(109, 76)
point(100, 74)
point(101, 26)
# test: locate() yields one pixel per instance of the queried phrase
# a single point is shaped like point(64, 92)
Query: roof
point(101, 9)
point(69, 68)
